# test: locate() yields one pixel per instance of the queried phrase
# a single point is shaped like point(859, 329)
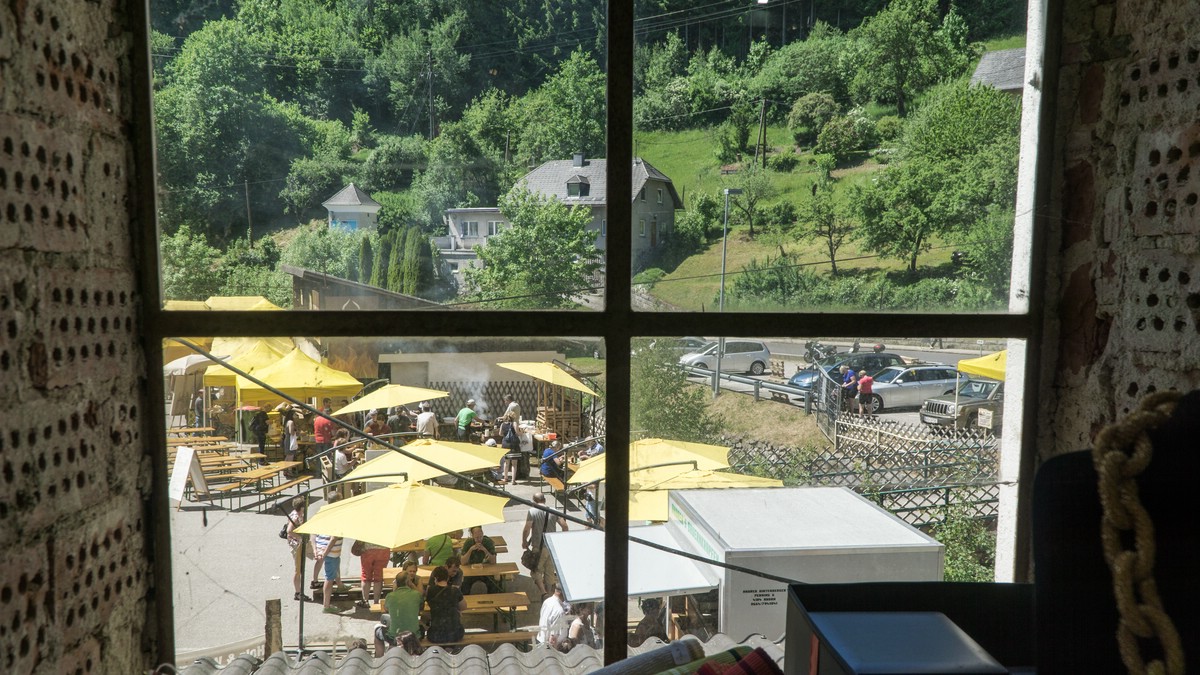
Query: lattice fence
point(489, 397)
point(909, 470)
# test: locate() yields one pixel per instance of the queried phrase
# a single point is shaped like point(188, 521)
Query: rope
point(1123, 451)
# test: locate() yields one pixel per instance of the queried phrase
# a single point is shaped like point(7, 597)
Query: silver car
point(740, 356)
point(909, 386)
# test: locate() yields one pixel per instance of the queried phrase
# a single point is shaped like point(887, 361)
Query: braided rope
point(1123, 450)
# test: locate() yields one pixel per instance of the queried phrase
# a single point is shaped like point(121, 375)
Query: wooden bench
point(282, 487)
point(558, 488)
point(519, 637)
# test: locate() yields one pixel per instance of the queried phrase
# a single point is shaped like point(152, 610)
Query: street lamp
point(721, 299)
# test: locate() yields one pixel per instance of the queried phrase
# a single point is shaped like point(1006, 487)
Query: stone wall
point(1123, 281)
point(74, 477)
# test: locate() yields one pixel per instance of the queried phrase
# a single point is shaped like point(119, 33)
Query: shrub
point(649, 276)
point(809, 114)
point(888, 128)
point(846, 134)
point(783, 162)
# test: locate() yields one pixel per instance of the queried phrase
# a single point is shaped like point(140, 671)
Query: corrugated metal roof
point(1003, 69)
point(351, 195)
point(472, 660)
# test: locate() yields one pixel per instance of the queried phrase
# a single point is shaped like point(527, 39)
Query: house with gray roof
point(576, 181)
point(1003, 69)
point(352, 209)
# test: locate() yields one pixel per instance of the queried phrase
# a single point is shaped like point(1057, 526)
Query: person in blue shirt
point(552, 461)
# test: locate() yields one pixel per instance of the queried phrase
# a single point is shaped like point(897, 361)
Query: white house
point(352, 209)
point(576, 181)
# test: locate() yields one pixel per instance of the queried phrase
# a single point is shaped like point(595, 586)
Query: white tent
point(579, 557)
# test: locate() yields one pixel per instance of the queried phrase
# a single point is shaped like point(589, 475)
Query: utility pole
point(760, 144)
point(430, 73)
point(249, 223)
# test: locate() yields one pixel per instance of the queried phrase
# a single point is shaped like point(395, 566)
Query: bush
point(888, 128)
point(846, 134)
point(809, 114)
point(649, 277)
point(783, 162)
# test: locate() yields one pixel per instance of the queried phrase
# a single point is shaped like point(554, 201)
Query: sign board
point(187, 464)
point(985, 419)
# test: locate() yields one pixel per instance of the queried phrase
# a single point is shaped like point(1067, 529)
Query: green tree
point(904, 209)
point(192, 273)
point(663, 404)
point(383, 257)
point(322, 249)
point(822, 217)
point(757, 189)
point(817, 64)
point(566, 114)
point(458, 174)
point(310, 181)
point(809, 114)
point(421, 71)
point(393, 163)
point(904, 49)
point(366, 259)
point(843, 135)
point(970, 546)
point(547, 256)
point(396, 267)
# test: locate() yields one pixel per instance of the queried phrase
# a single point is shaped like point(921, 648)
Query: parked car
point(975, 397)
point(740, 356)
point(870, 362)
point(909, 386)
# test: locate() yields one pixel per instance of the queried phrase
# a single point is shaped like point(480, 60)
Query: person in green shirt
point(465, 417)
point(439, 548)
point(403, 607)
point(479, 550)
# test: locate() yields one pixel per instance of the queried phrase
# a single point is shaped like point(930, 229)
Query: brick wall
point(74, 477)
point(1123, 303)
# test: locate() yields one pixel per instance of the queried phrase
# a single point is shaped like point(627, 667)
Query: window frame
point(616, 323)
point(494, 227)
point(470, 228)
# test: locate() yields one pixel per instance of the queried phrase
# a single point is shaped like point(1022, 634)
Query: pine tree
point(412, 261)
point(379, 269)
point(366, 260)
point(396, 271)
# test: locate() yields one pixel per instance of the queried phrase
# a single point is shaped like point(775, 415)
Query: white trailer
point(807, 534)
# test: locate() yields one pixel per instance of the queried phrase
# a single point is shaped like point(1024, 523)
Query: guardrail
point(759, 386)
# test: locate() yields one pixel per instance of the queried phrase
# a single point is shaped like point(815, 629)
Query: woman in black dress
point(446, 604)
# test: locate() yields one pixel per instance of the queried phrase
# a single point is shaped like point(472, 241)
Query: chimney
point(577, 159)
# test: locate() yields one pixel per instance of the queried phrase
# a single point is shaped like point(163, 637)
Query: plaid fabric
point(757, 662)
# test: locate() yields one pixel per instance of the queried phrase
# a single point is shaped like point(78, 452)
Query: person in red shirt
point(323, 430)
point(865, 384)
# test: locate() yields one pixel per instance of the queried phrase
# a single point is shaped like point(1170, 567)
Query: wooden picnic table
point(256, 476)
point(504, 605)
point(504, 570)
point(195, 440)
point(419, 546)
point(189, 430)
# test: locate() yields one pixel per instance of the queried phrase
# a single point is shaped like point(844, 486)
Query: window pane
point(935, 455)
point(839, 189)
point(342, 155)
point(239, 432)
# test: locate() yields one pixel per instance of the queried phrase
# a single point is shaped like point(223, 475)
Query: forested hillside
point(264, 108)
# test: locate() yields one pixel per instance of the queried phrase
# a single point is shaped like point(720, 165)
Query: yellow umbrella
point(651, 451)
point(391, 395)
point(399, 514)
point(241, 345)
point(258, 357)
point(990, 365)
point(649, 489)
point(240, 303)
point(454, 456)
point(299, 376)
point(548, 372)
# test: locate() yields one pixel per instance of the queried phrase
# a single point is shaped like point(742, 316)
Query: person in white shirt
point(552, 625)
point(427, 424)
